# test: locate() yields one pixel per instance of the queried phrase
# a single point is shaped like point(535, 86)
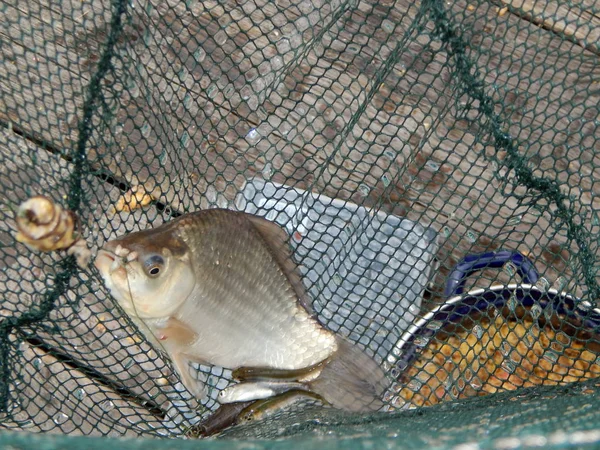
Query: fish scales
point(220, 287)
point(245, 294)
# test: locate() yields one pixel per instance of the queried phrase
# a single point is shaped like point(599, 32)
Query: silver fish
point(256, 390)
point(220, 287)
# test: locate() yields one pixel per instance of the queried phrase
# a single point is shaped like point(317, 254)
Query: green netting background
point(476, 123)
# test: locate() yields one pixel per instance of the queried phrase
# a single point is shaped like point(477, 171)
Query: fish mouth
point(107, 262)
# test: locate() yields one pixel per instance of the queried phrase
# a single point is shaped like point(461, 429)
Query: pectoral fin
point(176, 338)
point(175, 333)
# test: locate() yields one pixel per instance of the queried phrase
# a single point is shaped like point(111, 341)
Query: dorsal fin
point(277, 240)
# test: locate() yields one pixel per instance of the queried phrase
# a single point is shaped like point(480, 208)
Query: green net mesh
point(390, 139)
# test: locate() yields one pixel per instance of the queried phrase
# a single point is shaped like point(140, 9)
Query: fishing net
point(434, 163)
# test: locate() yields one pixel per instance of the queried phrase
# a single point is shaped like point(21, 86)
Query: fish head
point(148, 273)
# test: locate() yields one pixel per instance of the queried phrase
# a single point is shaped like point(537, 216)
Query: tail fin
point(351, 381)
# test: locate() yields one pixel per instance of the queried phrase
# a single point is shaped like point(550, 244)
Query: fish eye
point(154, 265)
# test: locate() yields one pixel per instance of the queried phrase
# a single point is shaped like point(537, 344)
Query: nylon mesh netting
point(394, 141)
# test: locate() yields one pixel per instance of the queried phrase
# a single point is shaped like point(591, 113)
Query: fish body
point(264, 408)
point(219, 287)
point(257, 390)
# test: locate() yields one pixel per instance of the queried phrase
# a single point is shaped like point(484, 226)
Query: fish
point(256, 390)
point(220, 287)
point(261, 409)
